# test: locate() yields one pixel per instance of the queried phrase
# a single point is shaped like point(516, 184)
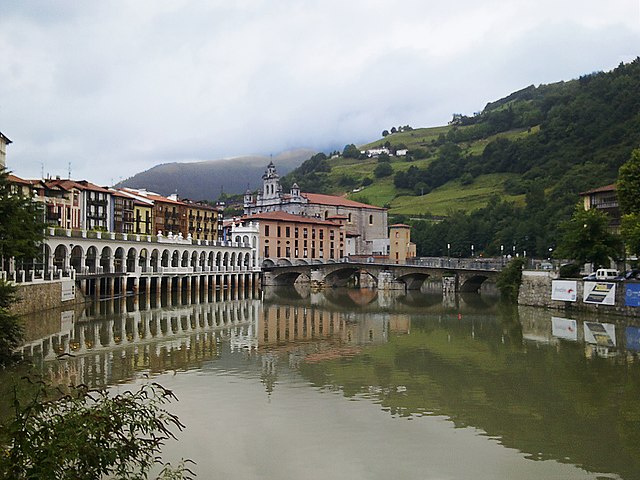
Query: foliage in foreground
point(89, 434)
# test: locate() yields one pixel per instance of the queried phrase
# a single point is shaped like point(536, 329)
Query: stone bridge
point(460, 278)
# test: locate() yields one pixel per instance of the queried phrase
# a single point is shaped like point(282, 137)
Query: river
point(360, 384)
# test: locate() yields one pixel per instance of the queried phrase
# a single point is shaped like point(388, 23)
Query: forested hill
point(510, 173)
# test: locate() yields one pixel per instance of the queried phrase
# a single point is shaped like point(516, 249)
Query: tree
point(510, 278)
point(88, 434)
point(351, 151)
point(385, 133)
point(587, 239)
point(383, 169)
point(21, 224)
point(10, 326)
point(628, 189)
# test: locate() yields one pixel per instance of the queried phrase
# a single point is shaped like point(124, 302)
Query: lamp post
point(472, 250)
point(502, 255)
point(448, 250)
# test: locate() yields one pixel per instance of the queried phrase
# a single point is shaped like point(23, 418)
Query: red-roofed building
point(365, 226)
point(296, 237)
point(94, 203)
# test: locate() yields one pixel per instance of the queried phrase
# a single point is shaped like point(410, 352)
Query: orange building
point(400, 246)
point(293, 237)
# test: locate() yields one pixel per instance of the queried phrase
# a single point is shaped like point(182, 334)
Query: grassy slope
point(440, 202)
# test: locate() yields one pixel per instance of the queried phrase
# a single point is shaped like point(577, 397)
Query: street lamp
point(448, 249)
point(471, 250)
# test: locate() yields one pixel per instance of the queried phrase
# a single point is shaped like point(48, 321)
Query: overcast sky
point(115, 87)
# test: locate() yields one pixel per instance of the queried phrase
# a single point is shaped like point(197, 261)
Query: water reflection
point(553, 387)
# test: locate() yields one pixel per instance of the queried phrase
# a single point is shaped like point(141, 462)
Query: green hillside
point(509, 175)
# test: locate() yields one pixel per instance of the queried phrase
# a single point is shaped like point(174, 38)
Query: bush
point(366, 181)
point(89, 434)
point(383, 170)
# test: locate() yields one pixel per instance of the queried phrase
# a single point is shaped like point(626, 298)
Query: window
point(266, 230)
point(266, 251)
point(296, 232)
point(279, 231)
point(287, 232)
point(370, 219)
point(349, 218)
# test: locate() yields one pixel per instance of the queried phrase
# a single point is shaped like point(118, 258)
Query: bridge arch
point(414, 281)
point(472, 283)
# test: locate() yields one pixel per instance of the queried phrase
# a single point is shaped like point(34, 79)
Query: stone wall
point(535, 291)
point(36, 297)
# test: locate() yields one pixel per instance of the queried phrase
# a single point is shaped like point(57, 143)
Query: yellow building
point(400, 246)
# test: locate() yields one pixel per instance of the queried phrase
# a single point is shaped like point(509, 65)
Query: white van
point(606, 274)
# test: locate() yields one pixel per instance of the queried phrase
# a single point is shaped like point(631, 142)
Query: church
point(365, 225)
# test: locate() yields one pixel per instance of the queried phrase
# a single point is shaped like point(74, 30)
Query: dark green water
point(366, 385)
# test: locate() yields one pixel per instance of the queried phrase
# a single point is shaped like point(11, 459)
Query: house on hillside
point(604, 199)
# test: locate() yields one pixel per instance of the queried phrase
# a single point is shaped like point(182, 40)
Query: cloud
point(116, 87)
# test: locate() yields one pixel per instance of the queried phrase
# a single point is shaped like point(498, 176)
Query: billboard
point(603, 293)
point(565, 290)
point(603, 334)
point(564, 328)
point(632, 295)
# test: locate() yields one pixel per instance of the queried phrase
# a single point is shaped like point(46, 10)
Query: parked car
point(591, 276)
point(629, 275)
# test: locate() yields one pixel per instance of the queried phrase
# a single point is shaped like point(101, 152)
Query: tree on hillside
point(383, 169)
point(587, 239)
point(628, 188)
point(21, 224)
point(351, 151)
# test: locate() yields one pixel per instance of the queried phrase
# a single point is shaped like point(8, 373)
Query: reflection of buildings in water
point(108, 350)
point(286, 324)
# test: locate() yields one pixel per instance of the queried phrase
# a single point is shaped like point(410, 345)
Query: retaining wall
point(535, 291)
point(36, 297)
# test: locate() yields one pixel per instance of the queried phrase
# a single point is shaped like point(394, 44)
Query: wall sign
point(603, 334)
point(565, 290)
point(564, 328)
point(632, 295)
point(603, 293)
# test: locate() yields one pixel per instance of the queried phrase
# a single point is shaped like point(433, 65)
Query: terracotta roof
point(14, 179)
point(606, 188)
point(332, 200)
point(289, 217)
point(80, 184)
point(160, 198)
point(400, 225)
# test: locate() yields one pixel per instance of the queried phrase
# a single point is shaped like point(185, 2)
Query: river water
point(360, 384)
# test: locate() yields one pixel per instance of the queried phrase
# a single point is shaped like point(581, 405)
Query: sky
point(108, 89)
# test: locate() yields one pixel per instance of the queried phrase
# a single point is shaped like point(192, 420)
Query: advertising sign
point(600, 333)
point(565, 290)
point(564, 328)
point(632, 337)
point(603, 293)
point(632, 295)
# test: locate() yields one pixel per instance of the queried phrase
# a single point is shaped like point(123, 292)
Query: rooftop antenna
point(69, 177)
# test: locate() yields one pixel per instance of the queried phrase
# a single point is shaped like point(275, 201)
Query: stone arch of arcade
point(96, 256)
